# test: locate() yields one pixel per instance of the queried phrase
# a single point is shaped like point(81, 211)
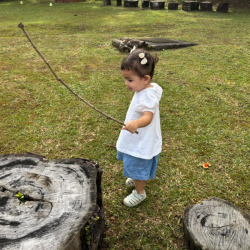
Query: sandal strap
point(130, 182)
point(134, 199)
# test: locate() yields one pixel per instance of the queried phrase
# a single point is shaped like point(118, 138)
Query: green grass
point(205, 108)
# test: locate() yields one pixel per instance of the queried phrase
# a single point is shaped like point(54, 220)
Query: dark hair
point(133, 62)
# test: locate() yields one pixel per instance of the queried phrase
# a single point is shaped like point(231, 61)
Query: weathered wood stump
point(173, 6)
point(222, 7)
point(59, 205)
point(118, 2)
point(216, 224)
point(157, 5)
point(190, 5)
point(206, 6)
point(130, 3)
point(145, 4)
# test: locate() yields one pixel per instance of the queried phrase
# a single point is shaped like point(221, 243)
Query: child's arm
point(144, 121)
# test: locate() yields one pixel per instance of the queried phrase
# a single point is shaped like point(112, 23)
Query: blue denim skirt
point(137, 168)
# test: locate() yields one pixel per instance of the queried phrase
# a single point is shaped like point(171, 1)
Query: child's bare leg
point(139, 186)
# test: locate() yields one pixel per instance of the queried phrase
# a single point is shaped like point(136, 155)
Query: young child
point(140, 141)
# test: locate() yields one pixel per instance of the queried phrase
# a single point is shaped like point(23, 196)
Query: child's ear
point(147, 79)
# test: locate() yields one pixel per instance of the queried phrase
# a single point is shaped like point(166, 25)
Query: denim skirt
point(137, 168)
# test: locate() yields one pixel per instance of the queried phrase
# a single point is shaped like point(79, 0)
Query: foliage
point(20, 197)
point(204, 108)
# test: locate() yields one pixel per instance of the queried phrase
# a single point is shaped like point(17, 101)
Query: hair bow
point(144, 59)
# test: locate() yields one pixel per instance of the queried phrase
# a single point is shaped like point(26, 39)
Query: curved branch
point(20, 25)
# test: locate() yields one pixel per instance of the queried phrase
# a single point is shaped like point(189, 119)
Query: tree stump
point(59, 204)
point(222, 7)
point(216, 224)
point(118, 2)
point(190, 5)
point(145, 4)
point(157, 5)
point(130, 3)
point(173, 6)
point(206, 6)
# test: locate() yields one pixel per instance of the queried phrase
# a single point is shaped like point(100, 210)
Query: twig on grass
point(20, 25)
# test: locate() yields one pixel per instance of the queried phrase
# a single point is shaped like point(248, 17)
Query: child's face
point(134, 82)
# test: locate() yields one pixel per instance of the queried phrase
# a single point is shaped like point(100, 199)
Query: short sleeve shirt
point(148, 142)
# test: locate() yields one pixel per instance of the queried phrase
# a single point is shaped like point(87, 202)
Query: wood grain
point(61, 196)
point(216, 224)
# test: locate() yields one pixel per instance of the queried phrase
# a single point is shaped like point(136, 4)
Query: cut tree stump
point(61, 207)
point(118, 2)
point(222, 7)
point(190, 5)
point(216, 224)
point(206, 6)
point(145, 4)
point(125, 44)
point(130, 3)
point(173, 6)
point(157, 5)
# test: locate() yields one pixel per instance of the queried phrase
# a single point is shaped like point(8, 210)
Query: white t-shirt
point(148, 143)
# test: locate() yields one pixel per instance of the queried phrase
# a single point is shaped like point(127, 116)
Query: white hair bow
point(144, 59)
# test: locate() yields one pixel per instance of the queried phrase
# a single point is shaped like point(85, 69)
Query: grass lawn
point(205, 108)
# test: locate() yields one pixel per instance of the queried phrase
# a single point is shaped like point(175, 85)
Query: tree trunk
point(59, 204)
point(216, 224)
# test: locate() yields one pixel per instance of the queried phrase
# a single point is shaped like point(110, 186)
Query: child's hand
point(144, 121)
point(131, 126)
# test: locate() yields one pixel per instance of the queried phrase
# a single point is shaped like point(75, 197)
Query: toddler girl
point(140, 140)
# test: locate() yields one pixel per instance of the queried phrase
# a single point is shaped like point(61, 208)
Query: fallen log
point(125, 44)
point(216, 224)
point(50, 204)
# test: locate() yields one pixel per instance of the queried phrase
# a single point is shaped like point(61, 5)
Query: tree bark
point(61, 207)
point(216, 224)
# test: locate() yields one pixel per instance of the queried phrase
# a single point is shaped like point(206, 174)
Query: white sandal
point(134, 199)
point(130, 182)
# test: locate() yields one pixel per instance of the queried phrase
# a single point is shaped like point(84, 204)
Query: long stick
point(20, 25)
